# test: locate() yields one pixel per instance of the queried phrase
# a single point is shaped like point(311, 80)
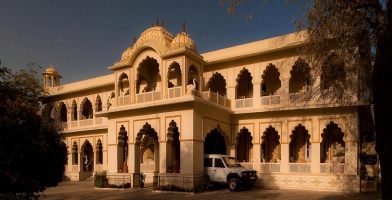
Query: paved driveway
point(84, 190)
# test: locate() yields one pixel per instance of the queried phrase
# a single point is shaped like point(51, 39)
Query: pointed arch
point(270, 83)
point(216, 141)
point(123, 84)
point(332, 144)
point(172, 146)
point(148, 70)
point(98, 104)
point(174, 76)
point(62, 108)
point(300, 146)
point(244, 87)
point(217, 84)
point(99, 152)
point(299, 76)
point(75, 150)
point(193, 74)
point(244, 145)
point(74, 111)
point(270, 145)
point(87, 108)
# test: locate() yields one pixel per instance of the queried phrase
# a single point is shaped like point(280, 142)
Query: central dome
point(157, 34)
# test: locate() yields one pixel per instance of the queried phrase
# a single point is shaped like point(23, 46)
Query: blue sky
point(84, 37)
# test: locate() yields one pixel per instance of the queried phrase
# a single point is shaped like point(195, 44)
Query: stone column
point(256, 96)
point(284, 162)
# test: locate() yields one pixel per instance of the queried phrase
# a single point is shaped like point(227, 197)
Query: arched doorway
point(215, 142)
point(87, 157)
point(147, 150)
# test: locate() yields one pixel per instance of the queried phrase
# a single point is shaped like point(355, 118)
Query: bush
point(100, 179)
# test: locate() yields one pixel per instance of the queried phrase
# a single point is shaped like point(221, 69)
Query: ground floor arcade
point(307, 149)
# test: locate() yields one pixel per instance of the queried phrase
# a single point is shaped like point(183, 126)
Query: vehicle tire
point(248, 187)
point(233, 184)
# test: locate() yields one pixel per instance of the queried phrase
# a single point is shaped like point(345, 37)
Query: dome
point(51, 70)
point(157, 34)
point(184, 40)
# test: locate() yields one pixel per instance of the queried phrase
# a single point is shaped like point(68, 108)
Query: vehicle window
point(232, 162)
point(207, 162)
point(219, 163)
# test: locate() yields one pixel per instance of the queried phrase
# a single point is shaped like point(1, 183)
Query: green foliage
point(100, 179)
point(32, 153)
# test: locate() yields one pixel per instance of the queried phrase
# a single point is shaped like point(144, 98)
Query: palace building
point(164, 105)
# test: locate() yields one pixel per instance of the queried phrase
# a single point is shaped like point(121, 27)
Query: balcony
point(216, 98)
point(148, 96)
point(270, 100)
point(244, 103)
point(84, 123)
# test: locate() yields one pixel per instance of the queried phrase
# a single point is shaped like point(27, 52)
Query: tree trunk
point(382, 91)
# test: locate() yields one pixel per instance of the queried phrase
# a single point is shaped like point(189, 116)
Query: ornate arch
point(243, 130)
point(98, 104)
point(153, 77)
point(217, 76)
point(85, 143)
point(143, 131)
point(270, 144)
point(176, 67)
point(222, 133)
point(170, 130)
point(240, 74)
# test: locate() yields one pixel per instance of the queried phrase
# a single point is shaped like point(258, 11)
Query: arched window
point(300, 146)
point(193, 77)
point(174, 75)
point(99, 152)
point(123, 85)
point(87, 109)
point(74, 112)
point(98, 104)
point(75, 159)
point(270, 147)
point(332, 147)
point(147, 75)
point(217, 84)
point(63, 112)
point(244, 145)
point(333, 73)
point(270, 80)
point(299, 79)
point(244, 87)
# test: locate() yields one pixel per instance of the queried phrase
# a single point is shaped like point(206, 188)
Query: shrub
point(100, 179)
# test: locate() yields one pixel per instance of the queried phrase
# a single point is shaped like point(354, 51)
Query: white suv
point(224, 169)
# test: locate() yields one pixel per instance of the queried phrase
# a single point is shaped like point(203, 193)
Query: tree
point(360, 33)
point(32, 153)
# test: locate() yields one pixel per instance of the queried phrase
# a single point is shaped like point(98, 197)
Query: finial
point(183, 26)
point(163, 23)
point(157, 21)
point(134, 39)
point(51, 66)
point(152, 24)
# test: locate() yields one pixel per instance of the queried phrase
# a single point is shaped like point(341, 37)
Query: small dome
point(51, 70)
point(184, 40)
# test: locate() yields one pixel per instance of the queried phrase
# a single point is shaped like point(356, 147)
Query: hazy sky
point(82, 38)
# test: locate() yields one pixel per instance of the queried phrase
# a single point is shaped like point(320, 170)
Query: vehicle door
point(219, 170)
point(209, 168)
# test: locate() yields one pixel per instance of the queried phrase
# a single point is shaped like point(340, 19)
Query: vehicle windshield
point(231, 162)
